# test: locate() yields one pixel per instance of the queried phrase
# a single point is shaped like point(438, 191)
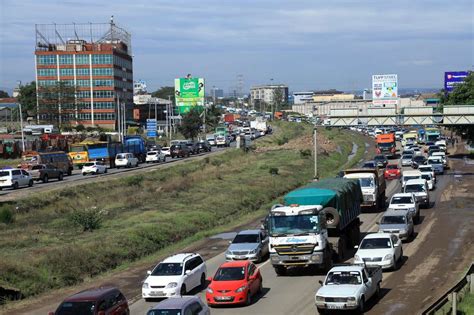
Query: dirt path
point(446, 249)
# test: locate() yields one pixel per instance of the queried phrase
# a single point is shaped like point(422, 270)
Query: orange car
point(235, 282)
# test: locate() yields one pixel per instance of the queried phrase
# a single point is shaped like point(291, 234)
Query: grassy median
point(59, 238)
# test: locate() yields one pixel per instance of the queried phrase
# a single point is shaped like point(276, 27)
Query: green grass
point(466, 307)
point(43, 248)
point(9, 162)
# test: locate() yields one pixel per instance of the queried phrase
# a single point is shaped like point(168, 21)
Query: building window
point(103, 83)
point(66, 72)
point(102, 71)
point(83, 94)
point(104, 116)
point(46, 59)
point(47, 72)
point(104, 94)
point(65, 59)
point(104, 105)
point(83, 82)
point(101, 59)
point(82, 71)
point(82, 59)
point(47, 82)
point(84, 116)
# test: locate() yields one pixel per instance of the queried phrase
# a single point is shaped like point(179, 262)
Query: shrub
point(305, 153)
point(282, 140)
point(133, 180)
point(273, 171)
point(89, 219)
point(6, 215)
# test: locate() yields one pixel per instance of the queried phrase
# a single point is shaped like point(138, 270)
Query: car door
point(397, 245)
point(252, 282)
point(369, 287)
point(25, 177)
point(191, 277)
point(410, 224)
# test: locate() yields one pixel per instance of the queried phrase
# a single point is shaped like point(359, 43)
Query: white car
point(379, 249)
point(443, 157)
point(126, 160)
point(405, 201)
point(411, 174)
point(428, 176)
point(166, 151)
point(419, 187)
point(14, 178)
point(175, 276)
point(96, 167)
point(427, 168)
point(155, 156)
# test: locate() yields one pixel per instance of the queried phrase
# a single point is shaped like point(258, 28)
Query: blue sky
point(306, 44)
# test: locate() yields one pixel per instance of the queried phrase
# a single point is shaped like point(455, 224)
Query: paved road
point(77, 178)
point(294, 294)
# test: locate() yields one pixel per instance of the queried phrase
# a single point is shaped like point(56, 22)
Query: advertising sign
point(189, 92)
point(384, 89)
point(151, 128)
point(453, 79)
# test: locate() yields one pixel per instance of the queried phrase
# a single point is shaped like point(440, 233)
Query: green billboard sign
point(189, 92)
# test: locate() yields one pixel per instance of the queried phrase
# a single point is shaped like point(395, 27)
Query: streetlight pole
point(21, 127)
point(315, 142)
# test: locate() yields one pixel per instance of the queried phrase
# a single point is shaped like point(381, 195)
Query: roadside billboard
point(189, 92)
point(151, 128)
point(453, 79)
point(384, 89)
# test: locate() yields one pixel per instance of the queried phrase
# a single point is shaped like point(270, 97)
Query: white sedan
point(429, 179)
point(379, 249)
point(96, 167)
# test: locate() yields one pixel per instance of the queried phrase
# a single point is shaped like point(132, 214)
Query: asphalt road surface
point(294, 294)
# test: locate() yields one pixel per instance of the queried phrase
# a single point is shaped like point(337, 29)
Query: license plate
point(156, 293)
point(335, 306)
point(393, 174)
point(241, 257)
point(223, 298)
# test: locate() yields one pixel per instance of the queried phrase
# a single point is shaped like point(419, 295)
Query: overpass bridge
point(388, 116)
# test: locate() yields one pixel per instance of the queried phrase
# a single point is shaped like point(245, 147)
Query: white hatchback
point(155, 156)
point(126, 160)
point(379, 249)
point(14, 178)
point(95, 167)
point(175, 276)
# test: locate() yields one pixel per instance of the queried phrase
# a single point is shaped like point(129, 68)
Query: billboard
point(151, 126)
point(453, 79)
point(384, 89)
point(189, 92)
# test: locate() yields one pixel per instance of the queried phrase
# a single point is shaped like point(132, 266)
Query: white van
point(407, 175)
point(14, 178)
point(419, 187)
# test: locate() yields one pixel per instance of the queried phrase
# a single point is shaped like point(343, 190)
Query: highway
point(294, 294)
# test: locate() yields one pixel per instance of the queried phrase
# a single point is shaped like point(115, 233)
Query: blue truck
point(135, 145)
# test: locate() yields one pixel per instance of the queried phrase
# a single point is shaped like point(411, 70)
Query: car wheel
point(260, 287)
point(183, 290)
point(377, 291)
point(69, 172)
point(321, 311)
point(97, 172)
point(147, 299)
point(83, 174)
point(30, 183)
point(45, 178)
point(395, 263)
point(203, 281)
point(280, 270)
point(248, 300)
point(361, 308)
point(60, 176)
point(15, 185)
point(105, 171)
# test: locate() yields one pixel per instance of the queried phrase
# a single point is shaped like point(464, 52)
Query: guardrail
point(447, 304)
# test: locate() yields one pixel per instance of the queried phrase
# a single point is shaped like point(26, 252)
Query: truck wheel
point(327, 260)
point(15, 185)
point(30, 183)
point(280, 270)
point(332, 217)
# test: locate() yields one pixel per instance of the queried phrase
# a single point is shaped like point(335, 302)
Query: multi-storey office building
point(96, 61)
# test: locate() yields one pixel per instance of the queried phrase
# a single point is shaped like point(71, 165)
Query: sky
point(308, 45)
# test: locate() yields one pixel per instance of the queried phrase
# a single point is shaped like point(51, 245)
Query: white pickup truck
point(348, 287)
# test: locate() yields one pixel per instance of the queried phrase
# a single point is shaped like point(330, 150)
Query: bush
point(133, 180)
point(89, 219)
point(273, 171)
point(6, 215)
point(282, 140)
point(305, 153)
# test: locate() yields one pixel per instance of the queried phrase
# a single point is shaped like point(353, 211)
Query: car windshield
point(399, 219)
point(407, 157)
point(425, 168)
point(74, 308)
point(392, 167)
point(230, 274)
point(36, 167)
point(385, 145)
point(164, 312)
point(89, 164)
point(165, 148)
point(379, 158)
point(407, 178)
point(401, 200)
point(245, 238)
point(414, 188)
point(337, 277)
point(367, 182)
point(152, 153)
point(295, 224)
point(168, 269)
point(375, 243)
point(121, 156)
point(426, 176)
point(419, 158)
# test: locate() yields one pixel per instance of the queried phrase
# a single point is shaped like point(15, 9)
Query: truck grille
point(295, 249)
point(335, 299)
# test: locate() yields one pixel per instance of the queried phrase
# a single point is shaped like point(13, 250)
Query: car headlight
point(172, 285)
point(241, 289)
point(351, 299)
point(319, 298)
point(145, 285)
point(387, 257)
point(228, 252)
point(356, 257)
point(254, 251)
point(209, 290)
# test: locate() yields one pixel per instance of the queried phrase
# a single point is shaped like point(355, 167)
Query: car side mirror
point(377, 222)
point(148, 272)
point(356, 246)
point(230, 242)
point(320, 282)
point(187, 272)
point(209, 279)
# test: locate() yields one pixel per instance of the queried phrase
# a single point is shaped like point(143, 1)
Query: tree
point(27, 98)
point(191, 123)
point(278, 100)
point(213, 116)
point(163, 92)
point(463, 94)
point(3, 94)
point(56, 103)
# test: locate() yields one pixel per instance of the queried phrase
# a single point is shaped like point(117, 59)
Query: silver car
point(406, 159)
point(180, 305)
point(248, 245)
point(398, 222)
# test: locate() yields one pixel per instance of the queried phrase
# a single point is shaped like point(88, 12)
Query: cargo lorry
point(386, 144)
point(373, 185)
point(259, 125)
point(317, 224)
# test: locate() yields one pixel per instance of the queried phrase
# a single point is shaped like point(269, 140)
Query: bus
point(58, 159)
point(432, 134)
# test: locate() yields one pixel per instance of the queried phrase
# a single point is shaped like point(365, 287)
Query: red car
point(235, 282)
point(392, 171)
point(100, 301)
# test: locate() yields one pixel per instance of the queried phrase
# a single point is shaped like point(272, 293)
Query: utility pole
point(21, 127)
point(169, 106)
point(315, 142)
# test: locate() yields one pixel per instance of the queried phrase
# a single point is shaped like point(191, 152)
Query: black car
point(418, 160)
point(369, 164)
point(203, 146)
point(193, 148)
point(381, 160)
point(179, 150)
